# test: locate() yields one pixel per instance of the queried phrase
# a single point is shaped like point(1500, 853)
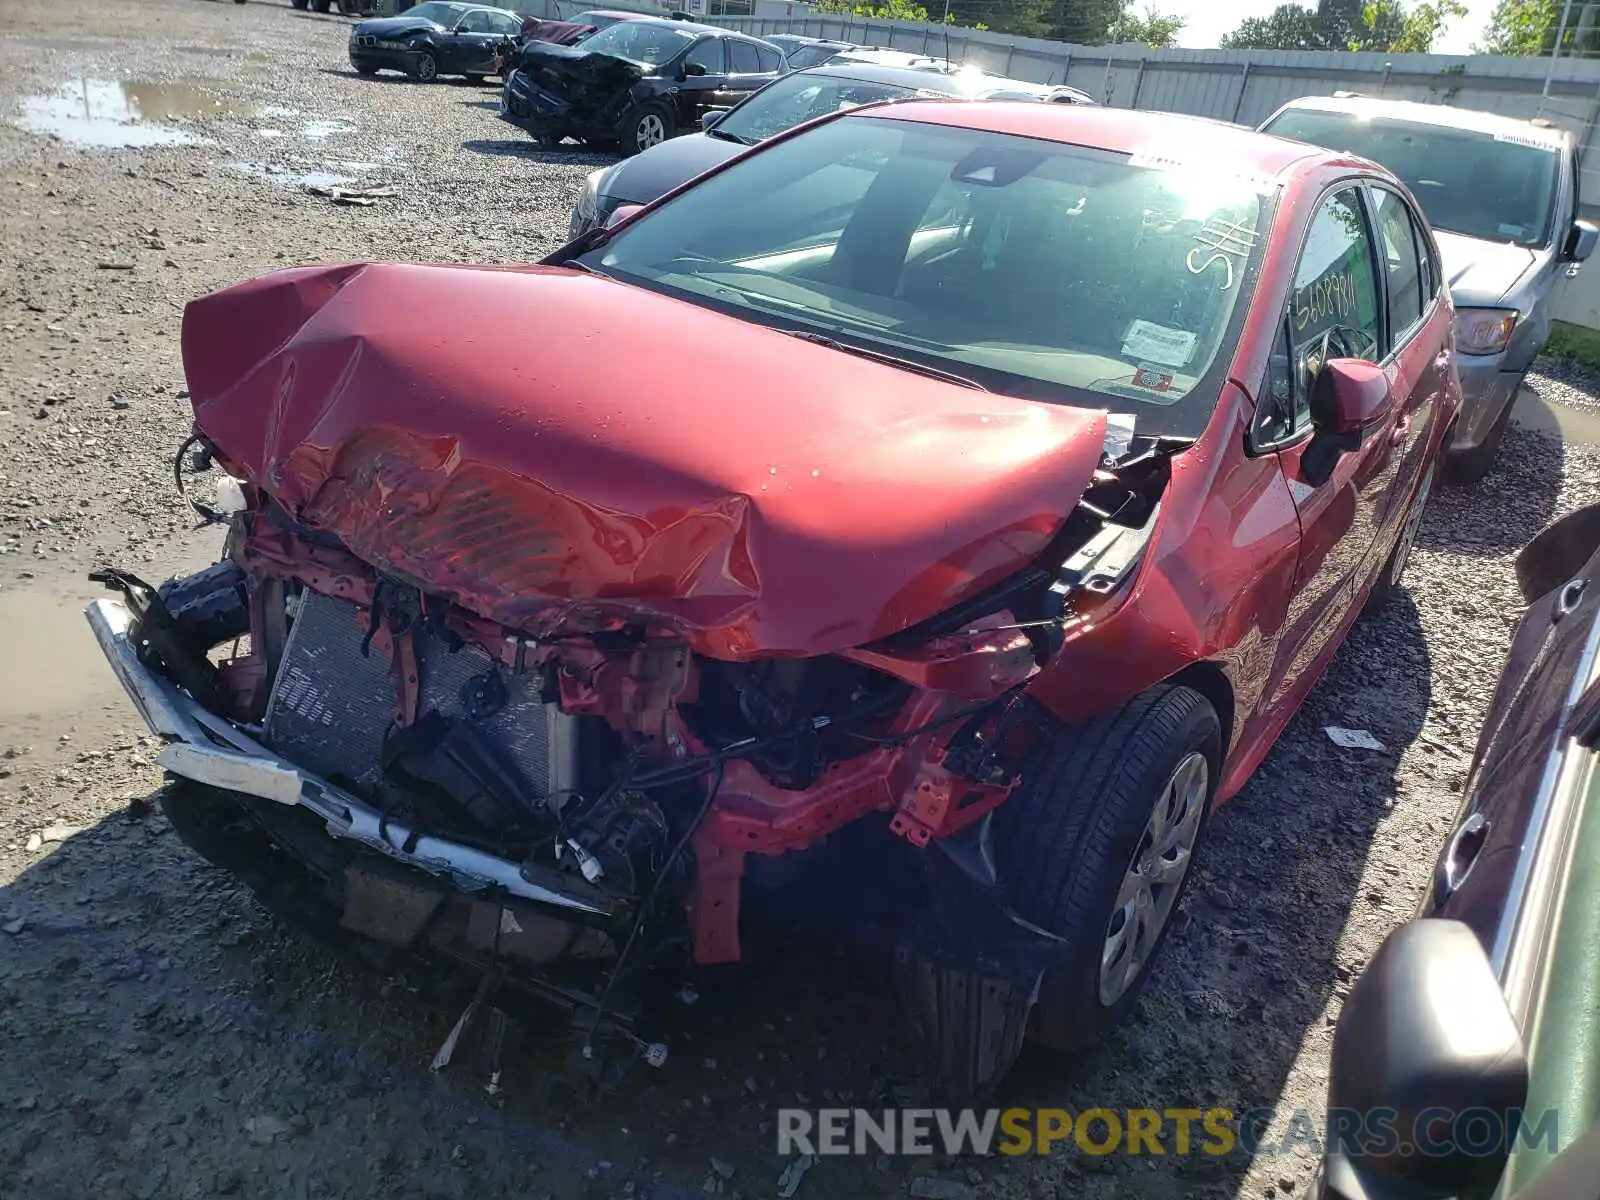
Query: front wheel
point(426, 68)
point(648, 125)
point(1097, 846)
point(1470, 466)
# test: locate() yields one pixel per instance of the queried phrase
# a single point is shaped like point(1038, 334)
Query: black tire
point(1394, 567)
point(426, 69)
point(643, 118)
point(321, 6)
point(212, 607)
point(300, 4)
point(366, 70)
point(1470, 466)
point(1066, 840)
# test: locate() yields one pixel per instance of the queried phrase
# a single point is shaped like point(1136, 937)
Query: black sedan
point(636, 83)
point(434, 39)
point(777, 108)
point(1466, 1060)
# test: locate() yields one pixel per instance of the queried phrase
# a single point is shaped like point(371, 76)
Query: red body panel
point(791, 500)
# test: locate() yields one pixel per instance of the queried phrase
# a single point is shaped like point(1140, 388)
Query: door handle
point(1397, 435)
point(1460, 855)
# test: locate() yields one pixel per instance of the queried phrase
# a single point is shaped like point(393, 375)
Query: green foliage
point(1389, 26)
point(1522, 28)
point(1153, 28)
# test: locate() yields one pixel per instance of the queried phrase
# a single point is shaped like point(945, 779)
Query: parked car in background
point(635, 83)
point(802, 52)
point(574, 29)
point(1509, 932)
point(437, 38)
point(1502, 196)
point(943, 567)
point(775, 109)
point(1062, 94)
point(874, 56)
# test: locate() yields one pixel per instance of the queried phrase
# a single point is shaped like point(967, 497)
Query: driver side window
point(708, 54)
point(1333, 313)
point(474, 22)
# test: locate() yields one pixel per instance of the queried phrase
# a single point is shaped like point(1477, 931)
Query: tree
point(1383, 25)
point(1154, 28)
point(1521, 28)
point(1085, 22)
point(1287, 27)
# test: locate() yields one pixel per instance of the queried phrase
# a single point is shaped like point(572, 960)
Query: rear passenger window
point(742, 59)
point(771, 60)
point(1401, 266)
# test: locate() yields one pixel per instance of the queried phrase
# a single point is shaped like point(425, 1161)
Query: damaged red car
point(945, 503)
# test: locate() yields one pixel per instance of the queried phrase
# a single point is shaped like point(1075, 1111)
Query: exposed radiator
point(331, 707)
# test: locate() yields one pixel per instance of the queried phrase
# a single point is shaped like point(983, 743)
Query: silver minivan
point(1502, 197)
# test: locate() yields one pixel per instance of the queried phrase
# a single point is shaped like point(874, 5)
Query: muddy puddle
point(119, 114)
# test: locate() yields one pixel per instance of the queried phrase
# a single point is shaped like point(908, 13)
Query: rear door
point(1335, 310)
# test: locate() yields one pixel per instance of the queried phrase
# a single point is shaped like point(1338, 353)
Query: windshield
point(440, 14)
point(1496, 187)
point(1043, 270)
point(644, 42)
point(789, 101)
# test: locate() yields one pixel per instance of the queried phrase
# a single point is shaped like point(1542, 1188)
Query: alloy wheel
point(427, 68)
point(651, 131)
point(1154, 877)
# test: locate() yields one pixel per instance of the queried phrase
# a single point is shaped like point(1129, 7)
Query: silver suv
point(1502, 197)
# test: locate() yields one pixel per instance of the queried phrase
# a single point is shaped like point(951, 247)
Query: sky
point(1208, 20)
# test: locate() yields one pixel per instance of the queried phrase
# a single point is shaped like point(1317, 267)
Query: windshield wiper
point(725, 136)
point(893, 360)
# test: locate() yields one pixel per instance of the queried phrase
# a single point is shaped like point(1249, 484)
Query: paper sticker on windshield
point(1524, 139)
point(1147, 342)
point(1152, 379)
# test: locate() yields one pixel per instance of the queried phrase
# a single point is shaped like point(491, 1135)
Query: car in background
point(776, 108)
point(1509, 933)
point(802, 52)
point(437, 38)
point(575, 29)
point(1502, 197)
point(1062, 94)
point(1016, 587)
point(635, 83)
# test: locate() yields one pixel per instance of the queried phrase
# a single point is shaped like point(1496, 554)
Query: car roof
point(1156, 135)
point(615, 13)
point(1443, 115)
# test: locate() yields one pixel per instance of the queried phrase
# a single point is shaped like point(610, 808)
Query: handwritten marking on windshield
point(1225, 240)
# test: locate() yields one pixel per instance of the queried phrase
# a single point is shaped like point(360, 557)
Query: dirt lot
point(161, 1037)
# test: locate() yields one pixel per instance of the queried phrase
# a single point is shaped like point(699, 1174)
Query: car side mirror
point(1425, 1041)
point(1558, 553)
point(710, 117)
point(1581, 241)
point(1350, 396)
point(691, 70)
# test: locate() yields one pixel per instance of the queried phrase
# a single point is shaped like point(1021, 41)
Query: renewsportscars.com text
point(1159, 1131)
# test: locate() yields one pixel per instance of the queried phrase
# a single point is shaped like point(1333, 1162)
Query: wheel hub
point(1155, 873)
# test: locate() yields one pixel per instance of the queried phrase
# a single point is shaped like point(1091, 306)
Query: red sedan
point(945, 503)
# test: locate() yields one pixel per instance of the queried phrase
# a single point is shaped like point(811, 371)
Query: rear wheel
point(1097, 847)
point(647, 125)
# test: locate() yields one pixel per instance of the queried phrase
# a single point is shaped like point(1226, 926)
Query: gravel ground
point(162, 1037)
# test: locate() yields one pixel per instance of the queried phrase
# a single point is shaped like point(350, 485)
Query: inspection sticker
point(1148, 342)
point(1153, 378)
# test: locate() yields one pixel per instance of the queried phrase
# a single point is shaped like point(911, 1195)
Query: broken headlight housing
point(1482, 331)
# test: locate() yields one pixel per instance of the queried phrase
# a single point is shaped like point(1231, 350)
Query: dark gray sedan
point(776, 108)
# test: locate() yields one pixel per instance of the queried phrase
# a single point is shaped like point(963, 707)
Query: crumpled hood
point(1481, 273)
point(574, 73)
point(395, 27)
point(511, 437)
